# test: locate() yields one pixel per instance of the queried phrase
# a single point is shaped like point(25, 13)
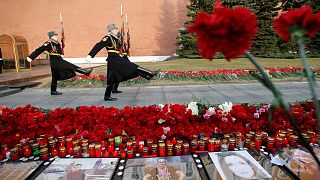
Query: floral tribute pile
point(156, 122)
point(220, 75)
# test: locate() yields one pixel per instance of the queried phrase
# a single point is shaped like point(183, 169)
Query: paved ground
point(215, 94)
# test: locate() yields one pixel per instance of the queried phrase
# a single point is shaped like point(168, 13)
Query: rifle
point(62, 36)
point(121, 39)
point(128, 43)
point(128, 37)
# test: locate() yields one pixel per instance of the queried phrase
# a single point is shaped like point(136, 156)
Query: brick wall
point(153, 24)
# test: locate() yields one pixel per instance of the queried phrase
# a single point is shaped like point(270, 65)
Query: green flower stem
point(285, 107)
point(309, 77)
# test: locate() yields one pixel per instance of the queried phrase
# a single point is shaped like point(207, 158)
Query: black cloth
point(1, 62)
point(110, 82)
point(54, 80)
point(121, 69)
point(60, 68)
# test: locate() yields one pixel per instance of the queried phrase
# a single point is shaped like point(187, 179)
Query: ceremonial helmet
point(52, 33)
point(111, 27)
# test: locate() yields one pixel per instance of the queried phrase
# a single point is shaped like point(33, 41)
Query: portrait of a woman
point(239, 165)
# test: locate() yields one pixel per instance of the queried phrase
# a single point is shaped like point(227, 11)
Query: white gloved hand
point(88, 59)
point(29, 59)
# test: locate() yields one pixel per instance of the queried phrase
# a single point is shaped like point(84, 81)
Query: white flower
point(211, 111)
point(193, 107)
point(163, 136)
point(256, 115)
point(206, 116)
point(226, 107)
point(161, 106)
point(166, 130)
point(160, 121)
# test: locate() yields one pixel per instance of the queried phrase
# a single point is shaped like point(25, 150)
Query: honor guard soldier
point(124, 55)
point(60, 68)
point(119, 68)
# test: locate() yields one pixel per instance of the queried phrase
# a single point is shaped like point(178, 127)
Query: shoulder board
point(46, 43)
point(105, 38)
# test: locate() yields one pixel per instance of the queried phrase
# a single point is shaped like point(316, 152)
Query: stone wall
point(153, 24)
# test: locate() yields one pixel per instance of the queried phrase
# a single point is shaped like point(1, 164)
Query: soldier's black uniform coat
point(60, 68)
point(121, 69)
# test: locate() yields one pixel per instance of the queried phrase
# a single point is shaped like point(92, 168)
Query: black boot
point(110, 99)
point(55, 93)
point(107, 94)
point(84, 71)
point(147, 74)
point(115, 88)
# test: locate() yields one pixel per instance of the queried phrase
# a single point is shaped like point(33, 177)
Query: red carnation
point(297, 22)
point(217, 4)
point(226, 30)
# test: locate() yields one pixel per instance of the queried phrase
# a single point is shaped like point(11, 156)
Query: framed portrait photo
point(238, 165)
point(170, 167)
point(18, 170)
point(80, 169)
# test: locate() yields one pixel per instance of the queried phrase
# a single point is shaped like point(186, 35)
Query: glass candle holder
point(224, 145)
point(35, 149)
point(264, 137)
point(70, 150)
point(149, 144)
point(92, 152)
point(75, 143)
point(201, 145)
point(77, 152)
point(52, 143)
point(98, 150)
point(270, 144)
point(279, 142)
point(62, 152)
point(180, 142)
point(257, 143)
point(251, 145)
point(178, 149)
point(69, 142)
point(170, 149)
point(130, 154)
point(217, 145)
point(294, 140)
point(14, 154)
point(211, 145)
point(206, 141)
point(85, 149)
point(26, 151)
point(44, 138)
point(123, 154)
point(154, 149)
point(44, 155)
point(146, 151)
point(194, 145)
point(62, 139)
point(20, 149)
point(232, 144)
point(54, 152)
point(186, 148)
point(105, 153)
point(162, 149)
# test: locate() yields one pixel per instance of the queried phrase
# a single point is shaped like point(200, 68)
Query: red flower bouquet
point(225, 30)
point(297, 22)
